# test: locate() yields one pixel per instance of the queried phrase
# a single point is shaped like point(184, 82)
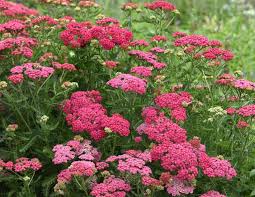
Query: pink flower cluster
point(32, 70)
point(247, 110)
point(194, 40)
point(175, 102)
point(80, 34)
point(85, 113)
point(139, 43)
point(159, 128)
point(112, 187)
point(179, 158)
point(74, 149)
point(160, 4)
point(212, 194)
point(19, 46)
point(148, 57)
point(230, 80)
point(128, 83)
point(77, 168)
point(22, 164)
point(15, 9)
point(142, 71)
point(12, 26)
point(157, 50)
point(65, 66)
point(217, 167)
point(133, 162)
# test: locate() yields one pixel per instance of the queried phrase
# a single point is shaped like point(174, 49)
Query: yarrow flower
point(159, 128)
point(175, 102)
point(65, 66)
point(128, 83)
point(111, 186)
point(212, 194)
point(12, 9)
point(136, 43)
point(22, 164)
point(82, 150)
point(218, 53)
point(31, 70)
point(217, 167)
point(160, 4)
point(109, 36)
point(12, 26)
point(85, 114)
point(133, 162)
point(111, 64)
point(158, 38)
point(148, 57)
point(142, 71)
point(247, 110)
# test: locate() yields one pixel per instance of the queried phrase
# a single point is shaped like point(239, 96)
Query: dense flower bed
point(89, 109)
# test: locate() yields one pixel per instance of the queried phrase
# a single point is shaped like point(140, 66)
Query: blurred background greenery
point(231, 21)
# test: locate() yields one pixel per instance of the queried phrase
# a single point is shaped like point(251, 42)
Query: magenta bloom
point(142, 71)
point(128, 83)
point(111, 186)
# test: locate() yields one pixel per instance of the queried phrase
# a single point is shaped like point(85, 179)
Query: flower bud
point(44, 119)
point(3, 84)
point(12, 127)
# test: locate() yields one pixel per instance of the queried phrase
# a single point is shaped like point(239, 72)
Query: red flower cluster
point(85, 114)
point(160, 4)
point(218, 53)
point(21, 165)
point(109, 36)
point(175, 102)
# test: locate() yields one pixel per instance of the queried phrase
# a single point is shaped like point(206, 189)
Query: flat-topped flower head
point(128, 83)
point(112, 186)
point(212, 194)
point(160, 4)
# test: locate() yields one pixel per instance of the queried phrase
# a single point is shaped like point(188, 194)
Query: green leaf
point(253, 193)
point(29, 144)
point(252, 173)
